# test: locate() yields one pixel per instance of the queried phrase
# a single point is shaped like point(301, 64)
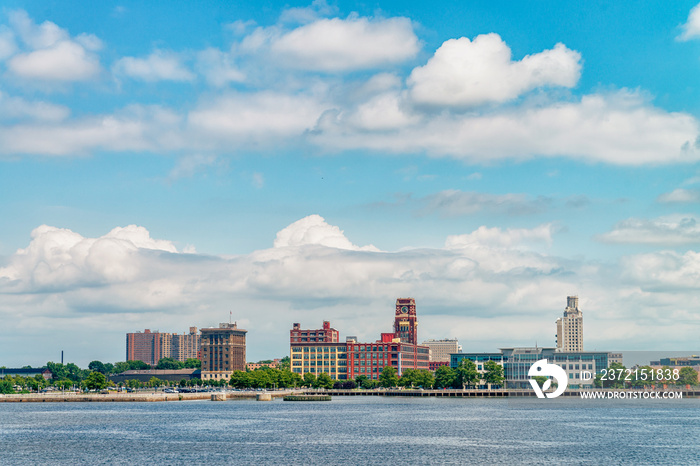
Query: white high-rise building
point(440, 350)
point(570, 327)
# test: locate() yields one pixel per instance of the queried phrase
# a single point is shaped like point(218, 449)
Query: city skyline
point(164, 166)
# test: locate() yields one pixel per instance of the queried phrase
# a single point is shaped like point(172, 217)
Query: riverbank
point(124, 397)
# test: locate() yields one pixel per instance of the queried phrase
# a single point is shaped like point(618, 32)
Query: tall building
point(318, 351)
point(186, 346)
point(570, 327)
point(440, 350)
point(223, 351)
point(406, 321)
point(146, 347)
point(151, 347)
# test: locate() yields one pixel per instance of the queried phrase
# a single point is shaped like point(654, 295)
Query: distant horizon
point(162, 165)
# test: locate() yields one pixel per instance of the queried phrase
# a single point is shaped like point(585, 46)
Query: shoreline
point(160, 397)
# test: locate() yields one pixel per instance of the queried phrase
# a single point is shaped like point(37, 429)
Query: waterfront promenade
point(124, 396)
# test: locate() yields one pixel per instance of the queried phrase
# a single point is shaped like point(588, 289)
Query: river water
point(354, 430)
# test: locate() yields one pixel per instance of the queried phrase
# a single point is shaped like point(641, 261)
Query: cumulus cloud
point(338, 45)
point(619, 128)
point(58, 257)
point(691, 29)
point(469, 73)
point(52, 54)
point(670, 230)
point(497, 237)
point(313, 230)
point(126, 280)
point(680, 196)
point(158, 66)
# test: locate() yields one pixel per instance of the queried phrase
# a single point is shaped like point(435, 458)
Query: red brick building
point(319, 350)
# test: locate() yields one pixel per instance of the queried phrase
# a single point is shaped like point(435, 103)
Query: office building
point(440, 350)
point(570, 327)
point(222, 351)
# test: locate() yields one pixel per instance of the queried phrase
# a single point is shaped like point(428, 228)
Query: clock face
point(404, 309)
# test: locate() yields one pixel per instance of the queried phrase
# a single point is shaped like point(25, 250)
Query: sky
point(173, 164)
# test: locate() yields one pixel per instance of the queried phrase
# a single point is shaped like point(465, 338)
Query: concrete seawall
point(122, 397)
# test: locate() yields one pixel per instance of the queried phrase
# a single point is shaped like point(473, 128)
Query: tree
point(424, 379)
point(6, 387)
point(615, 376)
point(494, 373)
point(155, 382)
point(445, 377)
point(388, 378)
point(687, 376)
point(309, 379)
point(467, 375)
point(97, 366)
point(362, 381)
point(193, 363)
point(285, 363)
point(323, 381)
point(169, 364)
point(96, 381)
point(408, 378)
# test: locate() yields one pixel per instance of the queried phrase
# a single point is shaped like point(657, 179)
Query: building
point(175, 375)
point(684, 361)
point(151, 347)
point(319, 351)
point(570, 327)
point(251, 366)
point(222, 351)
point(320, 335)
point(615, 358)
point(186, 346)
point(27, 372)
point(146, 347)
point(516, 363)
point(440, 350)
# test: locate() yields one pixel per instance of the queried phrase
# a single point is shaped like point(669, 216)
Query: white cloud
point(218, 68)
point(497, 237)
point(257, 117)
point(313, 230)
point(337, 45)
point(12, 108)
point(691, 29)
point(52, 54)
point(469, 73)
point(620, 128)
point(668, 231)
point(126, 280)
point(680, 195)
point(158, 66)
point(7, 43)
point(258, 180)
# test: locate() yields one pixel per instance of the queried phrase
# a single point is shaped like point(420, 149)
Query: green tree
point(138, 365)
point(97, 366)
point(155, 382)
point(388, 378)
point(169, 364)
point(424, 379)
point(193, 363)
point(362, 381)
point(309, 379)
point(445, 377)
point(408, 378)
point(615, 376)
point(285, 363)
point(494, 373)
point(6, 387)
point(96, 381)
point(687, 376)
point(323, 381)
point(467, 375)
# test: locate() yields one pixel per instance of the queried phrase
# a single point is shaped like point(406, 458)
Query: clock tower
point(406, 321)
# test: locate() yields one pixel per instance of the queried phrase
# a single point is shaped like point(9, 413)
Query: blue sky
point(161, 166)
